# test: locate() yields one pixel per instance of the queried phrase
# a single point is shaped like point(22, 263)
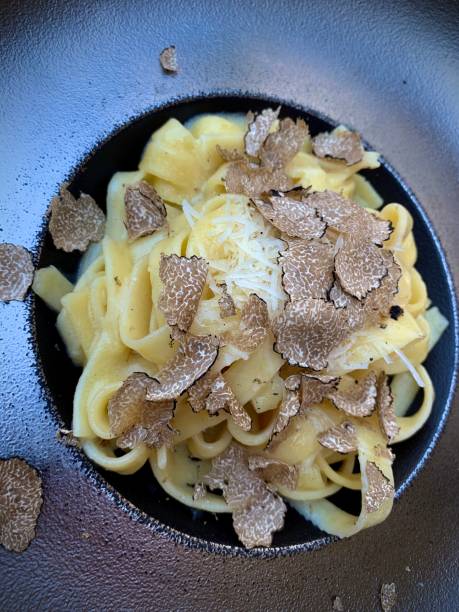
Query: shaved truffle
point(229, 155)
point(293, 382)
point(344, 215)
point(193, 359)
point(257, 511)
point(226, 303)
point(230, 471)
point(333, 208)
point(153, 428)
point(359, 400)
point(378, 302)
point(136, 420)
point(385, 403)
point(341, 438)
point(20, 503)
point(75, 222)
point(359, 266)
point(275, 471)
point(256, 523)
point(258, 130)
point(282, 145)
point(307, 269)
point(388, 596)
point(222, 397)
point(339, 144)
point(316, 387)
point(294, 217)
point(379, 488)
point(253, 327)
point(183, 281)
point(339, 297)
point(252, 180)
point(290, 406)
point(354, 309)
point(307, 331)
point(168, 59)
point(145, 210)
point(16, 272)
point(125, 406)
point(385, 452)
point(199, 391)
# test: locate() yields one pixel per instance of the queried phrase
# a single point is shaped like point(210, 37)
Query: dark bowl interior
point(147, 500)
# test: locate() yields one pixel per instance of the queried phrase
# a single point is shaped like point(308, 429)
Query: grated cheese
point(248, 254)
point(410, 366)
point(190, 213)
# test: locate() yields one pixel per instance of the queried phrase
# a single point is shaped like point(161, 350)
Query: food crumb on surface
point(66, 437)
point(168, 59)
point(388, 596)
point(338, 604)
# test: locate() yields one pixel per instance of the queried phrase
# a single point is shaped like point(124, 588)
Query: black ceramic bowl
point(139, 494)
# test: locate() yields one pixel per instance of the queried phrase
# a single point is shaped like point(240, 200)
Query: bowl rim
point(87, 466)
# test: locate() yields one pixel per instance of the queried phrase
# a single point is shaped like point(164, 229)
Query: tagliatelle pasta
point(252, 282)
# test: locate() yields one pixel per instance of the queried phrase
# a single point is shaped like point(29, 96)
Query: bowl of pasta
point(243, 317)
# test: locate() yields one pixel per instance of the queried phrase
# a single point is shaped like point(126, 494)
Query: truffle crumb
point(395, 312)
point(168, 59)
point(388, 596)
point(66, 436)
point(338, 604)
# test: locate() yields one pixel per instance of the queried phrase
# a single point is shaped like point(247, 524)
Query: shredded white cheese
point(249, 250)
point(410, 366)
point(190, 213)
